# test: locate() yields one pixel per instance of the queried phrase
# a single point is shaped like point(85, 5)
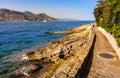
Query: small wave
point(23, 72)
point(21, 31)
point(1, 32)
point(29, 41)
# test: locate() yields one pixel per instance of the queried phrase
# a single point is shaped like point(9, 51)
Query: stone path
point(106, 65)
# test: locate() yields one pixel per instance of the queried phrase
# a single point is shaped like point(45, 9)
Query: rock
point(29, 69)
point(64, 56)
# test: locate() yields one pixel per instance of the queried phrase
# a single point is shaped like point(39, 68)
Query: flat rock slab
point(62, 58)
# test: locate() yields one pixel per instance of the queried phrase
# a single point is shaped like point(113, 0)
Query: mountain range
point(11, 15)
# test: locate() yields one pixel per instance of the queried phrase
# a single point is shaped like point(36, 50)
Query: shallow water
point(18, 37)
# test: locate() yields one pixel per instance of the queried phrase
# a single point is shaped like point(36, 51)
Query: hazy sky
point(78, 9)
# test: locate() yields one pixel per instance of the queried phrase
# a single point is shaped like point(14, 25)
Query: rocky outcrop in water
point(11, 15)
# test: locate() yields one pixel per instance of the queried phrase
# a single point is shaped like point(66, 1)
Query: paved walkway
point(105, 62)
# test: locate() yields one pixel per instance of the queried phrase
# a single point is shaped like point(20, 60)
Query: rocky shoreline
point(84, 53)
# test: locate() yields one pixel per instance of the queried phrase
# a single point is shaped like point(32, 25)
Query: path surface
point(105, 62)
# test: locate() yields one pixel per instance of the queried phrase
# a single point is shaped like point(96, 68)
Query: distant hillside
point(68, 19)
point(11, 15)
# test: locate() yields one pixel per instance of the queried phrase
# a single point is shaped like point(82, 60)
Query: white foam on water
point(24, 73)
point(24, 57)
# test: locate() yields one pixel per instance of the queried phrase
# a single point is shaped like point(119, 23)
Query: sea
point(16, 38)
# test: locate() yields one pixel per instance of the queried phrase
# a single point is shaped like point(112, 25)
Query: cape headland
point(11, 15)
point(87, 51)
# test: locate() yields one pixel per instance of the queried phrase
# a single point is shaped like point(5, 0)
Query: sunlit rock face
point(61, 58)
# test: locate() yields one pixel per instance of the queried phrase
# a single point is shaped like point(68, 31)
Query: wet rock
point(28, 70)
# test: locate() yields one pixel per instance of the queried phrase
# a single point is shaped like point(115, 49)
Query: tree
point(107, 15)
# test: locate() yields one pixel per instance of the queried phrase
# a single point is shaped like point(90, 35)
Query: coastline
point(52, 55)
point(55, 59)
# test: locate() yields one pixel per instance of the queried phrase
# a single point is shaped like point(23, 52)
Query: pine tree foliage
point(107, 15)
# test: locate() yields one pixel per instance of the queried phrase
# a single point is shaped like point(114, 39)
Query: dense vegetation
point(107, 14)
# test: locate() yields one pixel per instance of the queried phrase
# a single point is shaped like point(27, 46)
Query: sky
point(76, 9)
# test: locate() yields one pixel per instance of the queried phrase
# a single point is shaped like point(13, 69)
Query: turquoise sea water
point(18, 37)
